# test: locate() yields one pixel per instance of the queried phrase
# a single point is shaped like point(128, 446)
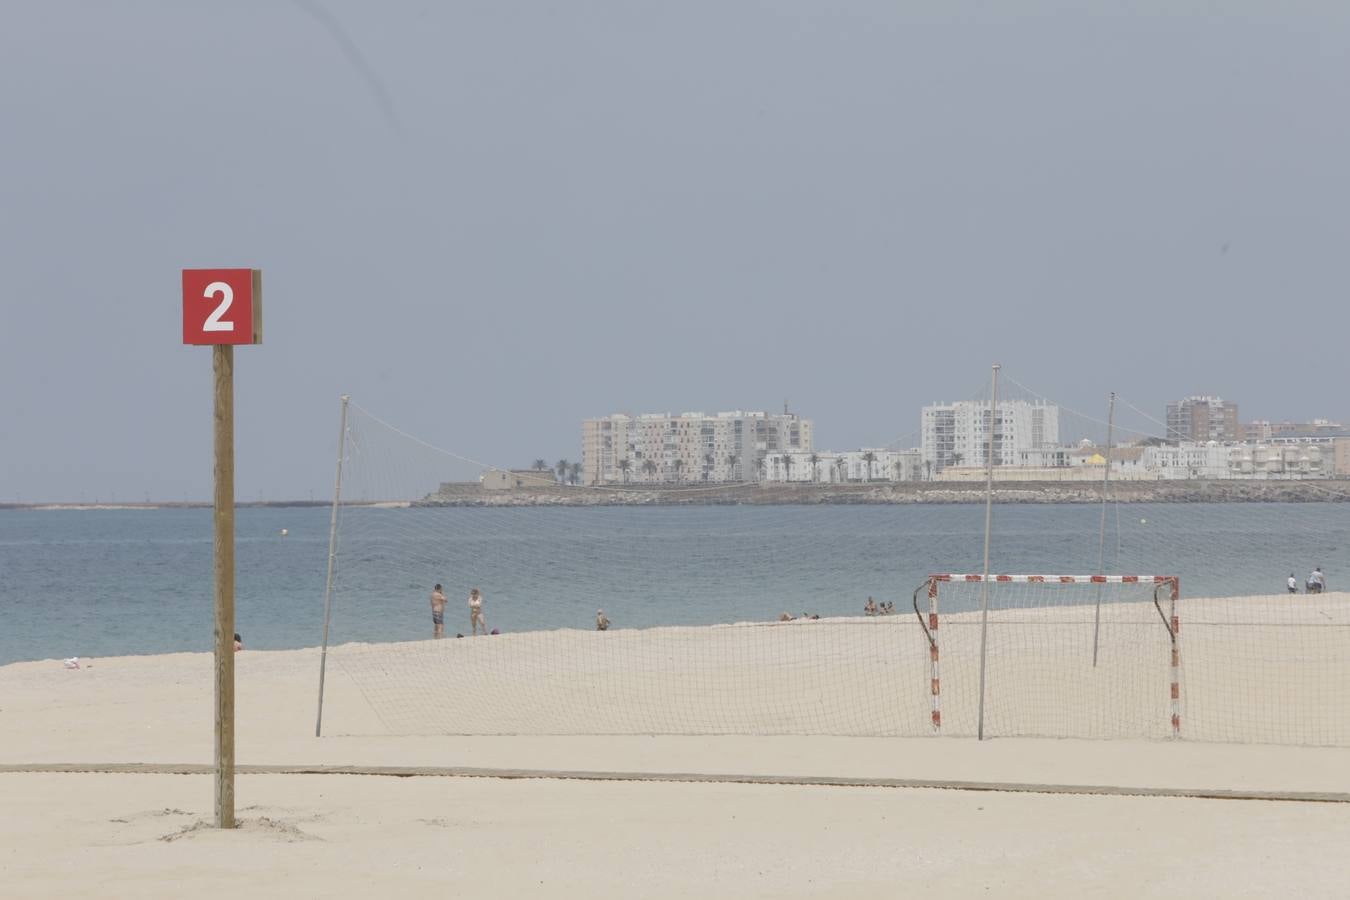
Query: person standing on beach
point(1292, 583)
point(476, 619)
point(437, 612)
point(601, 620)
point(1317, 582)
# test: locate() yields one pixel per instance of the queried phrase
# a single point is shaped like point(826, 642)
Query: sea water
point(125, 581)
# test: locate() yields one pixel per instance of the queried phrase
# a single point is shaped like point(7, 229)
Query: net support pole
point(1101, 533)
point(222, 365)
point(988, 522)
point(332, 559)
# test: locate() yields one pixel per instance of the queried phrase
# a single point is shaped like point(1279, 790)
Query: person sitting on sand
point(785, 617)
point(238, 642)
point(888, 608)
point(601, 620)
point(870, 608)
point(476, 619)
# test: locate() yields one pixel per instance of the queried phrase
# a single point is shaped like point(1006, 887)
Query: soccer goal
point(1092, 656)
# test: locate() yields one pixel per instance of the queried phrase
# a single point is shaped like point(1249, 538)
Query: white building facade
point(661, 448)
point(956, 434)
point(1186, 460)
point(852, 466)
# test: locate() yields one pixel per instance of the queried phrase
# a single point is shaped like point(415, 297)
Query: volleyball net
point(729, 617)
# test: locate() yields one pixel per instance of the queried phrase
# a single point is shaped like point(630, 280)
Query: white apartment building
point(1188, 459)
point(661, 448)
point(825, 467)
point(799, 467)
point(955, 434)
point(1282, 460)
point(1246, 461)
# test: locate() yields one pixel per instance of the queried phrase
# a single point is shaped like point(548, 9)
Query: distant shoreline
point(807, 494)
point(899, 493)
point(186, 504)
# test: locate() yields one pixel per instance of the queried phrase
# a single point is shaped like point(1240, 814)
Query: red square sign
point(222, 306)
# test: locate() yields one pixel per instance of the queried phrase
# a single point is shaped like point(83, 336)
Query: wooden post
point(221, 308)
point(223, 367)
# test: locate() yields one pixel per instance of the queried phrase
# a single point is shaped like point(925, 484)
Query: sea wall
point(1191, 491)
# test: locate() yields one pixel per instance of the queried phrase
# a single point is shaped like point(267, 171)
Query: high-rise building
point(687, 448)
point(956, 434)
point(1203, 418)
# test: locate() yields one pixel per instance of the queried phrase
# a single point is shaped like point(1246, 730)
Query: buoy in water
point(285, 532)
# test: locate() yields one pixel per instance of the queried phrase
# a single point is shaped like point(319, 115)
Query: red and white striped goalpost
point(1170, 619)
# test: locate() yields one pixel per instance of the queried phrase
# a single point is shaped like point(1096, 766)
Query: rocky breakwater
point(1191, 491)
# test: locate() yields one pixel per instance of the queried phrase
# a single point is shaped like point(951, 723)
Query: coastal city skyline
point(1202, 437)
point(780, 447)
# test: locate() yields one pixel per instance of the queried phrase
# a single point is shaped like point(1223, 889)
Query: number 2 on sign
point(226, 293)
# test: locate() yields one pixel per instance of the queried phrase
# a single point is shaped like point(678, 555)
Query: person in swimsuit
point(437, 612)
point(476, 619)
point(601, 620)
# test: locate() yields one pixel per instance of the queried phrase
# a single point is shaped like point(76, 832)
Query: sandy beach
point(136, 834)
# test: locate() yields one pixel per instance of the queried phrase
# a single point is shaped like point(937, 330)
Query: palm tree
point(574, 472)
point(839, 469)
point(649, 466)
point(732, 458)
point(540, 465)
point(928, 467)
point(624, 465)
point(707, 465)
point(899, 470)
point(958, 458)
point(815, 466)
point(787, 467)
point(759, 466)
point(561, 468)
point(869, 457)
point(678, 465)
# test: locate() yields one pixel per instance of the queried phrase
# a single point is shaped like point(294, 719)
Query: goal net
point(1247, 519)
point(1054, 655)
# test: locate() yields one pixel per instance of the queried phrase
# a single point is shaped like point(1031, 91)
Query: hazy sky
point(488, 220)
